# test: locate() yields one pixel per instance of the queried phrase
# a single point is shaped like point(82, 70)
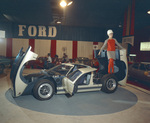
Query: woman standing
point(110, 43)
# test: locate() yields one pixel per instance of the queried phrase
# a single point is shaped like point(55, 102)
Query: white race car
point(67, 78)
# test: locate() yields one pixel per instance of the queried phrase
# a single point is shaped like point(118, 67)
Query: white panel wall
point(85, 49)
point(100, 44)
point(64, 47)
point(3, 46)
point(42, 47)
point(17, 44)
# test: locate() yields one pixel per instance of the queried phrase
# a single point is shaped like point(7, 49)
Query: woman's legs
point(111, 65)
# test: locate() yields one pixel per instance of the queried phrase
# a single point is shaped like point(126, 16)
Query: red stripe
point(132, 18)
point(125, 24)
point(53, 48)
point(9, 48)
point(32, 44)
point(75, 48)
point(95, 43)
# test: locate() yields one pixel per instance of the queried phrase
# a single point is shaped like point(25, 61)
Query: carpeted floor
point(90, 103)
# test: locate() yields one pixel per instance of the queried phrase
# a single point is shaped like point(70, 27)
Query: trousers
point(111, 66)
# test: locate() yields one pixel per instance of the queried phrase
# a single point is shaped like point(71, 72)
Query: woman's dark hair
point(56, 56)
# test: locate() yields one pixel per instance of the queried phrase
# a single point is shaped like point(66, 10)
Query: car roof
point(145, 62)
point(73, 64)
point(69, 64)
point(87, 70)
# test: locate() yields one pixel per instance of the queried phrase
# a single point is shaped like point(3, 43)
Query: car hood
point(41, 74)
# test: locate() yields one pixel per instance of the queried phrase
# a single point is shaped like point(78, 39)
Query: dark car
point(140, 71)
point(4, 62)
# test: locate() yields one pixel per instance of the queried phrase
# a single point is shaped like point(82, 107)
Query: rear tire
point(43, 90)
point(109, 83)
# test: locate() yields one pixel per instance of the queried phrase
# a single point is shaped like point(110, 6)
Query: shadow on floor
point(91, 103)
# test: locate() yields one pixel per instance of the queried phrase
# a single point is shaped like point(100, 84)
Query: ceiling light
point(58, 22)
point(148, 12)
point(69, 3)
point(63, 3)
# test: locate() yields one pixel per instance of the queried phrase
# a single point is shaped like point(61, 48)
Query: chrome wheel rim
point(111, 84)
point(45, 90)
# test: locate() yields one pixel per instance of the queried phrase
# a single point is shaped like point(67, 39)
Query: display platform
point(91, 103)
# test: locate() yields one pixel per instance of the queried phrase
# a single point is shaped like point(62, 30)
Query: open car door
point(18, 81)
point(71, 82)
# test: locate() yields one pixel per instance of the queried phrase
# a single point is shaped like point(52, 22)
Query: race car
point(24, 85)
point(67, 78)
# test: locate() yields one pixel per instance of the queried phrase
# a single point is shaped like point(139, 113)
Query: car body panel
point(123, 57)
point(69, 85)
point(18, 81)
point(120, 64)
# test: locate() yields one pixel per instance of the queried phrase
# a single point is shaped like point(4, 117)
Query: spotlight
point(58, 22)
point(148, 12)
point(63, 3)
point(69, 3)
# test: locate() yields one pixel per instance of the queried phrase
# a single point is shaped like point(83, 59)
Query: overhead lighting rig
point(64, 3)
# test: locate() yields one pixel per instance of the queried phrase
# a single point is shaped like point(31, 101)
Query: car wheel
point(109, 83)
point(1, 68)
point(43, 90)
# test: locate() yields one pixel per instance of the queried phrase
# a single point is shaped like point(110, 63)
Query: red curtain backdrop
point(53, 48)
point(75, 49)
point(9, 48)
point(129, 20)
point(132, 18)
point(32, 44)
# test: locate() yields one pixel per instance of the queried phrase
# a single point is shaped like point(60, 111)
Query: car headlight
point(146, 73)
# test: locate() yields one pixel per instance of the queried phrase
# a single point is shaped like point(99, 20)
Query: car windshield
point(74, 75)
point(62, 69)
point(148, 67)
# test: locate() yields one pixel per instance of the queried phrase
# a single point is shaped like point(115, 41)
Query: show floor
point(129, 104)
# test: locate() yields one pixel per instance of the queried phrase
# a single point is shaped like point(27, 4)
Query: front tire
point(43, 90)
point(109, 83)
